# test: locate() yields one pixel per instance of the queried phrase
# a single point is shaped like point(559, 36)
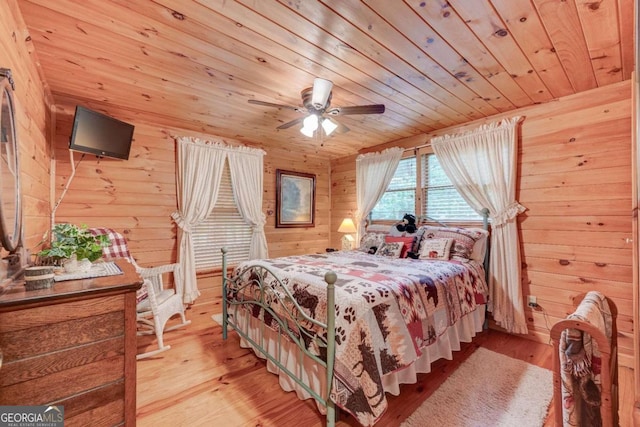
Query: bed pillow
point(438, 248)
point(480, 246)
point(463, 240)
point(406, 241)
point(391, 250)
point(371, 240)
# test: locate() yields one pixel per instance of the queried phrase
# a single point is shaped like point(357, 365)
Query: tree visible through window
point(400, 197)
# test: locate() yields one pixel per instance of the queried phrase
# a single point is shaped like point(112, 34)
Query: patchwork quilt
point(387, 311)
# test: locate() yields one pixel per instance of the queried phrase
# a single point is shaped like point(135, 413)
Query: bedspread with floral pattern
point(387, 311)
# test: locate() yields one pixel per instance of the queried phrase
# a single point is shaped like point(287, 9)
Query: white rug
point(217, 318)
point(488, 389)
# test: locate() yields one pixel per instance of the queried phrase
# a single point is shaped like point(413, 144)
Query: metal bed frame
point(289, 319)
point(264, 297)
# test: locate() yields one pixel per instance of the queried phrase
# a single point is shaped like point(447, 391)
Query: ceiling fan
point(316, 103)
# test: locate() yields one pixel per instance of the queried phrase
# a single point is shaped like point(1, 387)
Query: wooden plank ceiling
point(194, 64)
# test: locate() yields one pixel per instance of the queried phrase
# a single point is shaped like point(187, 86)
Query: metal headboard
point(485, 225)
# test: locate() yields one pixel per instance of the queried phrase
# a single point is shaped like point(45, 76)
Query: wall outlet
point(533, 301)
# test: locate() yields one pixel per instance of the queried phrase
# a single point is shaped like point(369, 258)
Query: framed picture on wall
point(295, 199)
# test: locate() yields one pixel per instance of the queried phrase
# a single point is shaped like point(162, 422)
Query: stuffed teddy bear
point(407, 224)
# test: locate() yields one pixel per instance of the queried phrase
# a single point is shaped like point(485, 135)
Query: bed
point(392, 316)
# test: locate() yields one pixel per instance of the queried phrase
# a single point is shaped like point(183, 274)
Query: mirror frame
point(10, 234)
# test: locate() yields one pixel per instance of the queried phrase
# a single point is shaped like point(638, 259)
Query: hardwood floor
point(205, 381)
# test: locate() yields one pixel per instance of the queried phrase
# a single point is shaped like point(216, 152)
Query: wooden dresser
point(73, 345)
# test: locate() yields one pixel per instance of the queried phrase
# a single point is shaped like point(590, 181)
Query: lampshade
point(321, 92)
point(329, 126)
point(309, 125)
point(347, 226)
point(311, 122)
point(307, 131)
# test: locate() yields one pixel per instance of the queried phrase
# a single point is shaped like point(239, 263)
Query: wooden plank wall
point(574, 177)
point(137, 196)
point(33, 121)
point(343, 195)
point(575, 180)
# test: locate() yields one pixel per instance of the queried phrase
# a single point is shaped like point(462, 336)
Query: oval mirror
point(10, 208)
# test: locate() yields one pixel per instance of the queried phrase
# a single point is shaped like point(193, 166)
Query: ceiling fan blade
point(321, 92)
point(270, 104)
point(357, 109)
point(291, 123)
point(341, 127)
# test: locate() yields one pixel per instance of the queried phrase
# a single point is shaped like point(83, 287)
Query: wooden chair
point(155, 304)
point(609, 372)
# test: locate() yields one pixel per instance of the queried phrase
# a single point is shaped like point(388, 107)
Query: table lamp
point(347, 227)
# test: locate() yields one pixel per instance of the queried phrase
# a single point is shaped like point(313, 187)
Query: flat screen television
point(98, 134)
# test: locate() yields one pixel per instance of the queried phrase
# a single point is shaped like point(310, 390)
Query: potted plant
point(73, 245)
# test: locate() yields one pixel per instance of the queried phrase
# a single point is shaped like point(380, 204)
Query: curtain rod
point(477, 124)
point(416, 148)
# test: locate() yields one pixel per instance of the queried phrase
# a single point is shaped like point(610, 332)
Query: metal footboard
point(265, 294)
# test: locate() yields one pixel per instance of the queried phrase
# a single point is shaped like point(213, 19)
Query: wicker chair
point(155, 305)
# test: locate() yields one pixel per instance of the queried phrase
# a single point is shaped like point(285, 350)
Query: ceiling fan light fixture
point(316, 103)
point(308, 132)
point(309, 125)
point(329, 126)
point(321, 92)
point(311, 122)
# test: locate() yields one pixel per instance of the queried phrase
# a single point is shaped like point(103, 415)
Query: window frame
point(214, 246)
point(405, 155)
point(418, 153)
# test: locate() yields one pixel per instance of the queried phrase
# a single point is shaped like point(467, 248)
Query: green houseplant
point(71, 241)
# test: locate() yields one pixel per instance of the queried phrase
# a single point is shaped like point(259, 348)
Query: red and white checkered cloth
point(118, 249)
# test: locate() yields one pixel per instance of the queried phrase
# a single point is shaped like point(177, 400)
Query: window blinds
point(400, 195)
point(436, 195)
point(440, 199)
point(223, 228)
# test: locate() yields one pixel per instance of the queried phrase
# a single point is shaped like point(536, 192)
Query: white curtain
point(246, 178)
point(374, 172)
point(481, 164)
point(198, 177)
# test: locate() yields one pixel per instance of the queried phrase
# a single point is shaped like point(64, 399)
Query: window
point(400, 197)
point(420, 186)
point(223, 228)
point(440, 199)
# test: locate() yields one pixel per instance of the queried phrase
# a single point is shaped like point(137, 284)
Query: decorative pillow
point(463, 240)
point(438, 248)
point(371, 240)
point(390, 249)
point(407, 243)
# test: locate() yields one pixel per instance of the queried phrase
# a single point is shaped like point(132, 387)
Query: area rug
point(488, 389)
point(217, 318)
